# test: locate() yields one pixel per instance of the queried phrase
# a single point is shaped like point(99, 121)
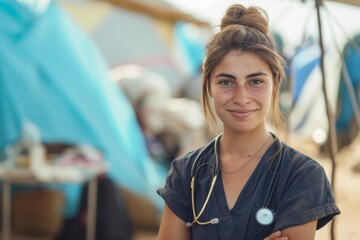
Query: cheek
point(264, 98)
point(221, 97)
point(267, 98)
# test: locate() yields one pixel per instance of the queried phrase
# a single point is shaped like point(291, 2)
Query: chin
point(242, 128)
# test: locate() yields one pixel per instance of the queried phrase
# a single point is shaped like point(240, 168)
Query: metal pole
point(332, 142)
point(6, 210)
point(91, 216)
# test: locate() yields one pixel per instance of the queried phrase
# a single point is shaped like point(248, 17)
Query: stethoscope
point(264, 216)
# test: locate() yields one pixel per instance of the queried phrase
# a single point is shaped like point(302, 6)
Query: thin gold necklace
point(248, 161)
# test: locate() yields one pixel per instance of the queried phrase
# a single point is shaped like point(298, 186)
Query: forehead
point(238, 62)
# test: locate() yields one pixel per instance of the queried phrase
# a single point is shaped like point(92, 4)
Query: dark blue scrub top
point(301, 193)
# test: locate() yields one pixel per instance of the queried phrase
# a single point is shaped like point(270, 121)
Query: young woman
point(246, 184)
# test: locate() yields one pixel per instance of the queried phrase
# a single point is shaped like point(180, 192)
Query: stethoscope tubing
point(216, 168)
point(195, 168)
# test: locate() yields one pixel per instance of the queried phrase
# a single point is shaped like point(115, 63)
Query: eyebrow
point(255, 74)
point(224, 75)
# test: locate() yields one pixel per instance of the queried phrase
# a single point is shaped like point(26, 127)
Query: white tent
point(136, 32)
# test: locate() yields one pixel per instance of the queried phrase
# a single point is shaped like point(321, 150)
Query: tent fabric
point(309, 112)
point(52, 74)
point(351, 2)
point(192, 47)
point(351, 57)
point(126, 37)
point(303, 63)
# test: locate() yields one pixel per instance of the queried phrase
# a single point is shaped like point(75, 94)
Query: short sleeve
point(177, 189)
point(307, 196)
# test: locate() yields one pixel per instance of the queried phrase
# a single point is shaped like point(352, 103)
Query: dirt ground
point(347, 193)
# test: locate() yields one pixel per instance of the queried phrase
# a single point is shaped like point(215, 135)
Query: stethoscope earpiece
point(212, 221)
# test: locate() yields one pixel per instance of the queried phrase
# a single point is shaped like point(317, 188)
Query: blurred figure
point(170, 125)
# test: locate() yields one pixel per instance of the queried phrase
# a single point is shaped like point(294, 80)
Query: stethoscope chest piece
point(264, 216)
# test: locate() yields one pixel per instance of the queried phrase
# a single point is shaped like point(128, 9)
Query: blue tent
point(304, 62)
point(351, 57)
point(52, 74)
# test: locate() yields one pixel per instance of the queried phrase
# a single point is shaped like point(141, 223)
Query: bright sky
point(290, 18)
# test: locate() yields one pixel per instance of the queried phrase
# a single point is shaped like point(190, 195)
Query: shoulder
point(176, 192)
point(301, 175)
point(185, 161)
point(298, 168)
point(182, 165)
point(297, 160)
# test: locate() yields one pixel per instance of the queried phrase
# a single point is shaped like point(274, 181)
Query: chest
point(234, 183)
point(233, 186)
point(234, 202)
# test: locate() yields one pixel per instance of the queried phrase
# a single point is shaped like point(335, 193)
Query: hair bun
point(252, 17)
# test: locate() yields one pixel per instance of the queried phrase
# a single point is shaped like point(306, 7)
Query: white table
point(54, 174)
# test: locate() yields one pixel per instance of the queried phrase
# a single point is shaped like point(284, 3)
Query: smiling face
point(241, 87)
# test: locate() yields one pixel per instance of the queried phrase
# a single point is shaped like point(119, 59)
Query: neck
point(232, 158)
point(244, 143)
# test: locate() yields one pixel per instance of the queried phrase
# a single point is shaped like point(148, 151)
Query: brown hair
point(246, 30)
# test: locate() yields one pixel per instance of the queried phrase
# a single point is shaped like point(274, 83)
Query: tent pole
point(332, 142)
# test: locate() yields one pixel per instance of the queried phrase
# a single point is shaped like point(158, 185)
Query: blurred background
point(108, 90)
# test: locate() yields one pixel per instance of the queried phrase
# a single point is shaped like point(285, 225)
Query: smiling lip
point(242, 113)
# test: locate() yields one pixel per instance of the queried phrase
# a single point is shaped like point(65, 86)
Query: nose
point(240, 96)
